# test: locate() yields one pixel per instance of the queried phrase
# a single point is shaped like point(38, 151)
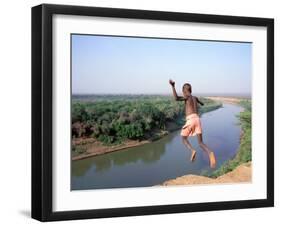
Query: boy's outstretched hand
point(172, 83)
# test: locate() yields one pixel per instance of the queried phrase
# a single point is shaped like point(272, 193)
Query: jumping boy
point(192, 126)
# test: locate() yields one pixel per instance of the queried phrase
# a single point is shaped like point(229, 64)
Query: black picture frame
point(42, 106)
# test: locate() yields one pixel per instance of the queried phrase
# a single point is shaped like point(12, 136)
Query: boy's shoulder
point(196, 98)
point(191, 98)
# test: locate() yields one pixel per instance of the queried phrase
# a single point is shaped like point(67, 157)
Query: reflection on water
point(105, 162)
point(167, 158)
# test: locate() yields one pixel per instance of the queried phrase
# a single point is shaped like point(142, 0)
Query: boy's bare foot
point(193, 154)
point(212, 160)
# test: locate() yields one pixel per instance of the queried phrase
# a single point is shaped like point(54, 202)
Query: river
point(167, 158)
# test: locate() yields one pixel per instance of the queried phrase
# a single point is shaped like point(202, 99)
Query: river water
point(164, 159)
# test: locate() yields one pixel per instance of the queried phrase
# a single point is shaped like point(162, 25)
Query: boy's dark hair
point(188, 87)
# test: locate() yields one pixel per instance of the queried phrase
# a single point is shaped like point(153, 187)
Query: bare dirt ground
point(97, 148)
point(242, 173)
point(231, 100)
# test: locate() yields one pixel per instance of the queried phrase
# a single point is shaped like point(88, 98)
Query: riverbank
point(230, 100)
point(97, 148)
point(92, 147)
point(241, 174)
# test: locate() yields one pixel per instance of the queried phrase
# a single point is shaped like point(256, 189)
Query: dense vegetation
point(113, 118)
point(244, 153)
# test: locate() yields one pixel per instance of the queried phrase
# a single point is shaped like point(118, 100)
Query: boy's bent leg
point(202, 145)
point(210, 153)
point(189, 146)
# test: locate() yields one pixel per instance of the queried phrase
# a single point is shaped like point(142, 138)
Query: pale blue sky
point(111, 65)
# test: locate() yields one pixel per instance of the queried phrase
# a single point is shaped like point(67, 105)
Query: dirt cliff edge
point(240, 174)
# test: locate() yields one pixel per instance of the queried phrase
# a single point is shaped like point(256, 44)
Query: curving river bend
point(161, 160)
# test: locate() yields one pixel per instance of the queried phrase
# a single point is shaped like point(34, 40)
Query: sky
point(130, 65)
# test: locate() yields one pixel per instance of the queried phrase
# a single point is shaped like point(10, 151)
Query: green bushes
point(112, 119)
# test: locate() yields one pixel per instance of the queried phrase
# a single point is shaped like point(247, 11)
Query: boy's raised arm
point(177, 98)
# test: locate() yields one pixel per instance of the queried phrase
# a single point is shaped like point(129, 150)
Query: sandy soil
point(97, 148)
point(242, 173)
point(231, 100)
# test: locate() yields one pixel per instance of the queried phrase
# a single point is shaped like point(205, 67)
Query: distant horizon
point(164, 94)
